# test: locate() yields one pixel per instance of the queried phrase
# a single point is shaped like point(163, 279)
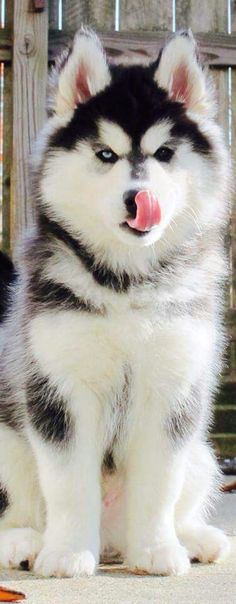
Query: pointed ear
point(80, 73)
point(180, 73)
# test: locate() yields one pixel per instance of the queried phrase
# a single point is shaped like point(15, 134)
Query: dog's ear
point(80, 73)
point(180, 73)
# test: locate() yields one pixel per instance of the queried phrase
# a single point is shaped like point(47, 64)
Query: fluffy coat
point(113, 343)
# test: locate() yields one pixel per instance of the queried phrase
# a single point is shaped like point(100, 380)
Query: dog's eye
point(107, 156)
point(164, 154)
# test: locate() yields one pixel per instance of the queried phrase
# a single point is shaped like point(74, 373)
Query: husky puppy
point(112, 345)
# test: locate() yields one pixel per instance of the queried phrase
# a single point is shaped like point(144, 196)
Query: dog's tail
point(7, 277)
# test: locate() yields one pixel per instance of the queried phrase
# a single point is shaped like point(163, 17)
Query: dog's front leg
point(70, 478)
point(155, 477)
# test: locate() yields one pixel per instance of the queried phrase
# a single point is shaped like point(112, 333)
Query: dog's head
point(132, 153)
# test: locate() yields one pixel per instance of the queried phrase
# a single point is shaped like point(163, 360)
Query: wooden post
point(30, 60)
point(7, 136)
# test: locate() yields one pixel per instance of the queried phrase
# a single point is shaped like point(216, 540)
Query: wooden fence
point(133, 27)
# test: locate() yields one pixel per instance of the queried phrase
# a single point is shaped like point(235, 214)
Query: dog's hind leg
point(21, 504)
point(202, 541)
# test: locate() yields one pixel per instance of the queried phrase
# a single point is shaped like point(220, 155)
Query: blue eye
point(107, 156)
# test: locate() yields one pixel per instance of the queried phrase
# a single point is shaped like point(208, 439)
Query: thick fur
point(7, 277)
point(112, 346)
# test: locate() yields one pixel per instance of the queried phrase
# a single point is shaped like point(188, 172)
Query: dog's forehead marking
point(113, 136)
point(155, 136)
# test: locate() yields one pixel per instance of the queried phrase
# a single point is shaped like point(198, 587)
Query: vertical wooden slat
point(213, 17)
point(1, 145)
point(220, 77)
point(99, 14)
point(233, 215)
point(209, 17)
point(233, 151)
point(7, 139)
point(221, 80)
point(2, 10)
point(149, 15)
point(53, 14)
point(8, 14)
point(233, 15)
point(29, 89)
point(7, 158)
point(202, 16)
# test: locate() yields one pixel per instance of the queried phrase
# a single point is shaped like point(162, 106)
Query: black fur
point(108, 465)
point(4, 501)
point(188, 130)
point(135, 102)
point(47, 411)
point(51, 295)
point(24, 565)
point(100, 272)
point(11, 413)
point(7, 276)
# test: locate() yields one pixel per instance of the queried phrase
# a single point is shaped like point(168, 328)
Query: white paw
point(205, 543)
point(19, 545)
point(169, 559)
point(64, 563)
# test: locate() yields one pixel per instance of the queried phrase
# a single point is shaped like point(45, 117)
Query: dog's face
point(131, 156)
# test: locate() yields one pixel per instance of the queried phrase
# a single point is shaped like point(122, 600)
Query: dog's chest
point(92, 346)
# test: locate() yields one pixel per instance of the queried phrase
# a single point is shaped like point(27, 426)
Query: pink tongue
point(148, 212)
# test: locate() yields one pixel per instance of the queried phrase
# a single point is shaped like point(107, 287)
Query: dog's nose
point(129, 199)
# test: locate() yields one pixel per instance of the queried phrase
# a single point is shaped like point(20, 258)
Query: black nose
point(129, 199)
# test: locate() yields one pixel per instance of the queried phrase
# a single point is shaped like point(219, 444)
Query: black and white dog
point(112, 345)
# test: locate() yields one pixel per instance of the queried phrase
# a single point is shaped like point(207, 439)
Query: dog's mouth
point(144, 212)
point(133, 231)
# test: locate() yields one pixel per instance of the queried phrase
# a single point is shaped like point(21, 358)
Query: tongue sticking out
point(148, 212)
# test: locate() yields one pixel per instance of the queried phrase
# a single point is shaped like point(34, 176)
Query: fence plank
point(7, 138)
point(99, 14)
point(213, 17)
point(217, 49)
point(233, 15)
point(232, 231)
point(233, 216)
point(8, 14)
point(149, 15)
point(53, 14)
point(209, 16)
point(7, 158)
point(221, 82)
point(30, 59)
point(233, 237)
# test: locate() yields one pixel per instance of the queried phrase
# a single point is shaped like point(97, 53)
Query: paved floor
point(205, 584)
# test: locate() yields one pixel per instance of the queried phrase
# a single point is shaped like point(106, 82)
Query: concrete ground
point(205, 584)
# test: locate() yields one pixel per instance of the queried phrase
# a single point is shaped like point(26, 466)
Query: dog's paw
point(205, 543)
point(169, 559)
point(64, 563)
point(19, 547)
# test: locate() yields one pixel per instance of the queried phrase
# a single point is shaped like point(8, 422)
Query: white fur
point(108, 132)
point(18, 545)
point(180, 53)
point(87, 56)
point(153, 510)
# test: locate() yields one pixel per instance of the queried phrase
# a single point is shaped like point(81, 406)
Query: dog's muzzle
point(144, 210)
